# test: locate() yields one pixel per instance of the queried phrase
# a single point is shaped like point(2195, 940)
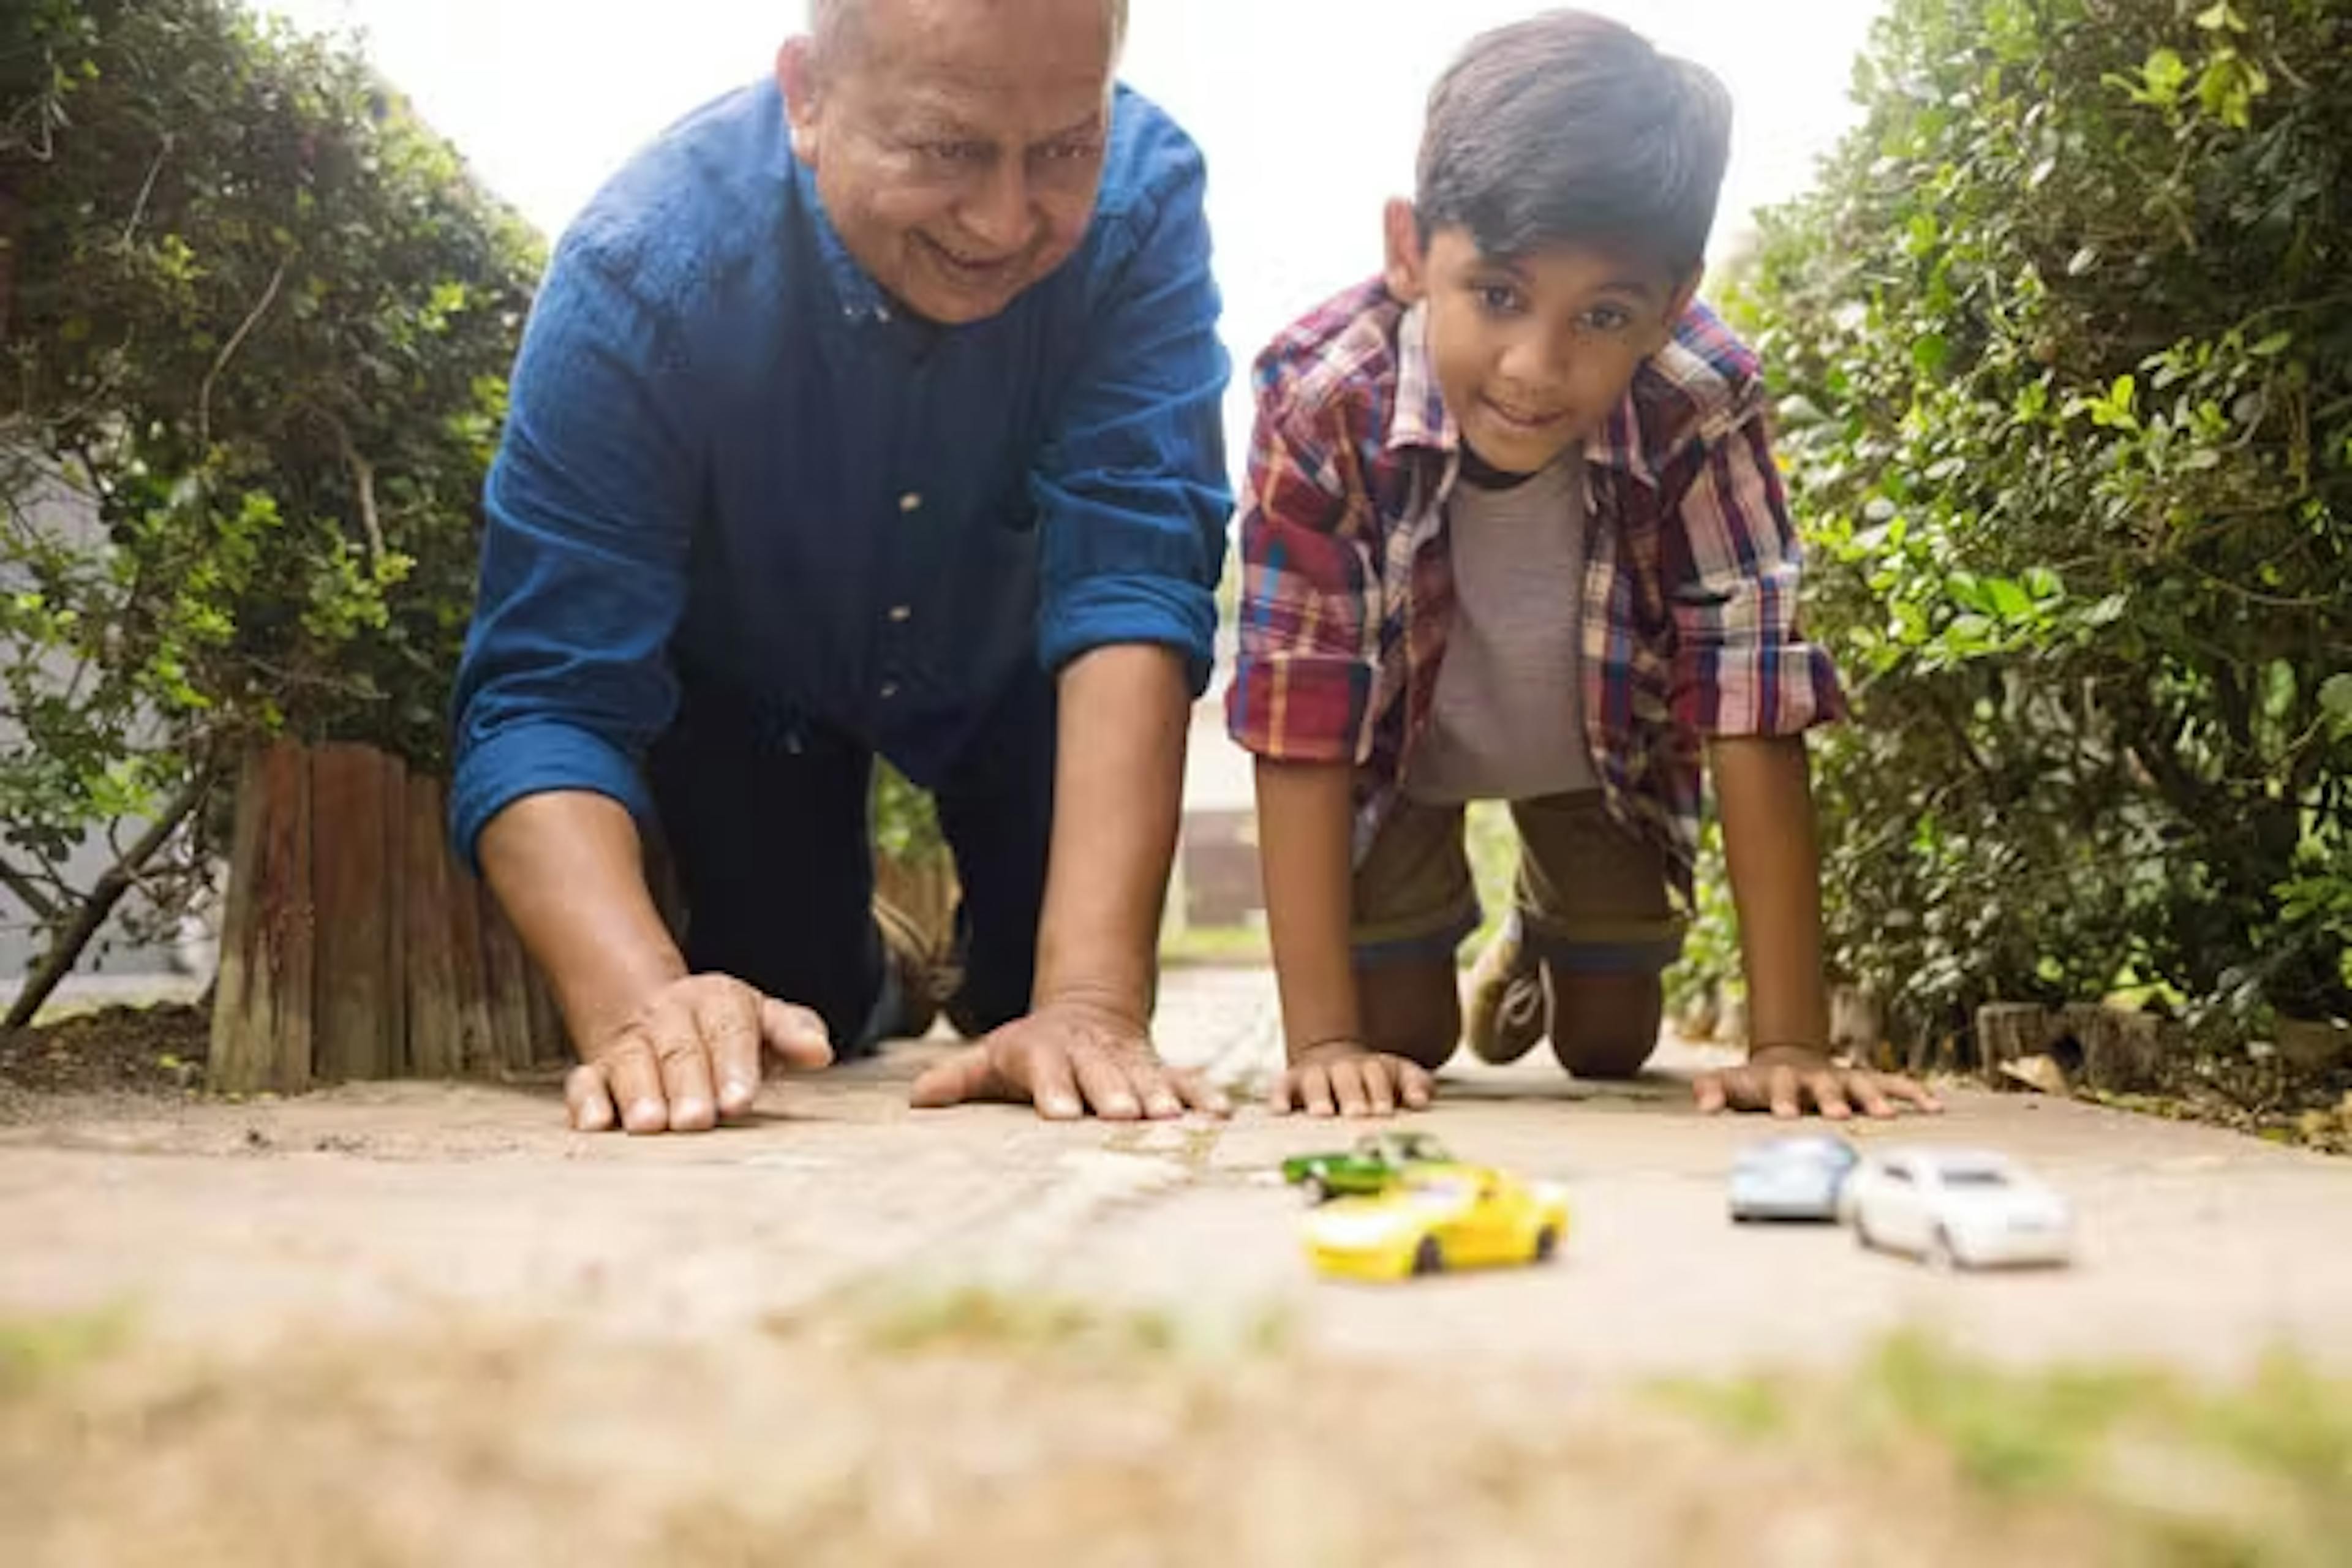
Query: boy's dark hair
point(1569, 127)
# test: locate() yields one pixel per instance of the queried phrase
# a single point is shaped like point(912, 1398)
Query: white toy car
point(1956, 1208)
point(1797, 1177)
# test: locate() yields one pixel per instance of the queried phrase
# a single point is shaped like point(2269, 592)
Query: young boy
point(1514, 532)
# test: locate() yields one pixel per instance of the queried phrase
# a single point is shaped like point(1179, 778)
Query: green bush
point(2063, 344)
point(254, 323)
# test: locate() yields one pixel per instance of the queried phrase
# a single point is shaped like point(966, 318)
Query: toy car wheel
point(1942, 1256)
point(1428, 1258)
point(1546, 1243)
point(1318, 1190)
point(1862, 1236)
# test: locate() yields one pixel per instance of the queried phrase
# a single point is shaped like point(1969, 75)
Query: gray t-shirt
point(1508, 721)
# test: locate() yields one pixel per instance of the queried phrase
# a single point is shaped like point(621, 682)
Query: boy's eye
point(1497, 298)
point(1608, 318)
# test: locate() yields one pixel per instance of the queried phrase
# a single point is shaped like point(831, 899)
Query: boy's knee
point(1412, 1010)
point(1605, 1025)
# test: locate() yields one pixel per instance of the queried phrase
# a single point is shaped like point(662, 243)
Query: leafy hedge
point(254, 323)
point(2062, 343)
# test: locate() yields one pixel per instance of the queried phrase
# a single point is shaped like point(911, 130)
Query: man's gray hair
point(834, 25)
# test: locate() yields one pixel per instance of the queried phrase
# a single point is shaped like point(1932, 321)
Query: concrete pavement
point(394, 1205)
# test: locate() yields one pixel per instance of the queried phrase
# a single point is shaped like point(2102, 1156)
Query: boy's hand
point(1341, 1078)
point(1066, 1059)
point(1789, 1079)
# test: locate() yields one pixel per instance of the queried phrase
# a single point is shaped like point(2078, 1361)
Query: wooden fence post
point(261, 1026)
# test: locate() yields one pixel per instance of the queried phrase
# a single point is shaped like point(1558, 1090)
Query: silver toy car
point(1798, 1177)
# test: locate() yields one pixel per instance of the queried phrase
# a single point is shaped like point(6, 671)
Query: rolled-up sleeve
point(1733, 566)
point(565, 678)
point(1130, 486)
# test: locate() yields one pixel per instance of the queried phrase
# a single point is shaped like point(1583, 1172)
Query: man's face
point(1532, 353)
point(958, 145)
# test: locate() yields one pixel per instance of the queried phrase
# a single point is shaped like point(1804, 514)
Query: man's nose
point(996, 213)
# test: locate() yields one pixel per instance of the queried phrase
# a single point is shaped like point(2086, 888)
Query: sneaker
point(1507, 1011)
point(924, 976)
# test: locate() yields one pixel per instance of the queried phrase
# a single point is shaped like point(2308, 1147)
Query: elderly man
point(870, 410)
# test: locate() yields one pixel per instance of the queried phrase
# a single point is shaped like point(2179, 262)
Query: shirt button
point(890, 690)
point(902, 613)
point(912, 501)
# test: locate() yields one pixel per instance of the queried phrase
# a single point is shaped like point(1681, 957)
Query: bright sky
point(1309, 110)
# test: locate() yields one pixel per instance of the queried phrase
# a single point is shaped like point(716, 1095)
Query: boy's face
point(1531, 353)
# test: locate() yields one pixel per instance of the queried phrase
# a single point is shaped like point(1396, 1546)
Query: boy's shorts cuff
point(1402, 941)
point(1605, 947)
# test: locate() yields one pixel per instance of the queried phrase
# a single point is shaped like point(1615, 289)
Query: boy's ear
point(1401, 226)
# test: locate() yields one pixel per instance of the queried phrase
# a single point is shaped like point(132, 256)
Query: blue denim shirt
point(729, 457)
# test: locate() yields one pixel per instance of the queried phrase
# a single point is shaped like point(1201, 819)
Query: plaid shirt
point(1690, 586)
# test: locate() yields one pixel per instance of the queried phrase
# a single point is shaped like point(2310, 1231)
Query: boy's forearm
point(1763, 787)
point(1304, 815)
point(1119, 783)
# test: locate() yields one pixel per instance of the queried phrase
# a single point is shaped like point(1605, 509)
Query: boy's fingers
point(1710, 1090)
point(1911, 1092)
point(1419, 1086)
point(1866, 1095)
point(1783, 1093)
point(1379, 1086)
point(1829, 1095)
point(1279, 1099)
point(1348, 1088)
point(1315, 1091)
point(588, 1099)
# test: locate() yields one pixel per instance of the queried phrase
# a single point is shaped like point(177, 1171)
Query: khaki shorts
point(1592, 894)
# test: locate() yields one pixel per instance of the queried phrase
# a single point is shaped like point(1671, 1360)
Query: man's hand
point(1786, 1080)
point(1341, 1078)
point(1066, 1059)
point(690, 1057)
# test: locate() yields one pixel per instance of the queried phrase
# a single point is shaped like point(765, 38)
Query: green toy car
point(1377, 1161)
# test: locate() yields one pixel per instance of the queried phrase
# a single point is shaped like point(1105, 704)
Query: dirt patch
point(150, 1052)
point(982, 1440)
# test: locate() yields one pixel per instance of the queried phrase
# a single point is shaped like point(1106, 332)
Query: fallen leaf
point(2041, 1074)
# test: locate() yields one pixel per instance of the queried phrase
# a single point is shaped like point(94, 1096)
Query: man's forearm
point(1763, 787)
point(1118, 784)
point(569, 870)
point(1304, 817)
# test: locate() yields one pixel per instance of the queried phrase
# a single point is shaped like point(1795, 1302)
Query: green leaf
point(2336, 702)
point(2010, 601)
point(2273, 346)
point(2222, 17)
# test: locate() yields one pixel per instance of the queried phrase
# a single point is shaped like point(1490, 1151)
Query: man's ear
point(796, 79)
point(1401, 228)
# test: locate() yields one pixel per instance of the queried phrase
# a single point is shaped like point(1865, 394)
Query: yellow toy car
point(1436, 1217)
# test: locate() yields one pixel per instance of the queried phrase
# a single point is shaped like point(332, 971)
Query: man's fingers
point(1051, 1084)
point(1416, 1085)
point(1152, 1084)
point(685, 1064)
point(1783, 1093)
point(1200, 1094)
point(1105, 1085)
point(1710, 1090)
point(728, 1019)
point(796, 1035)
point(635, 1082)
point(1829, 1094)
point(967, 1076)
point(588, 1099)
